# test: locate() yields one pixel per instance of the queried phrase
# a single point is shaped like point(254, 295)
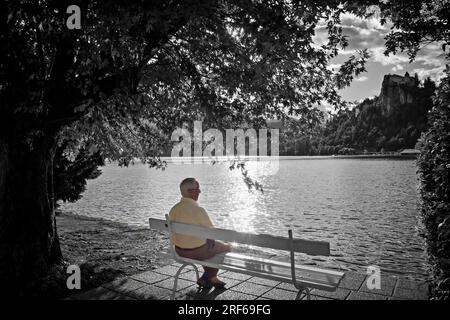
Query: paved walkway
point(158, 283)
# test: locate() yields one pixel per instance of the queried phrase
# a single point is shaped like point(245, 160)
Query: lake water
point(366, 208)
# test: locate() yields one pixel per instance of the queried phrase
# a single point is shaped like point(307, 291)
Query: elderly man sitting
point(188, 211)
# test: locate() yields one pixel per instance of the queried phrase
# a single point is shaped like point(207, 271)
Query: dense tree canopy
point(416, 24)
point(135, 70)
point(434, 172)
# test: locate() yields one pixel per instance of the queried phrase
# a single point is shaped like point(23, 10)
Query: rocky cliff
point(391, 121)
point(397, 90)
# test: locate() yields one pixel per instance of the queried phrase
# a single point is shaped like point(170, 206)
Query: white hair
point(187, 184)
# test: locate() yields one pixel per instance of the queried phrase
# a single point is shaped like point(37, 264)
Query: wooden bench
point(301, 276)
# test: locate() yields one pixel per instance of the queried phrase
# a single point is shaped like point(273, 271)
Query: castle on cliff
point(397, 90)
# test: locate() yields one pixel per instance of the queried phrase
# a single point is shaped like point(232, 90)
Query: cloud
point(360, 38)
point(320, 35)
point(360, 33)
point(334, 66)
point(432, 56)
point(370, 34)
point(362, 79)
point(378, 56)
point(435, 73)
point(347, 52)
point(373, 23)
point(369, 97)
point(397, 68)
point(363, 33)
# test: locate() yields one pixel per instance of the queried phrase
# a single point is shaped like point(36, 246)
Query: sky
point(369, 33)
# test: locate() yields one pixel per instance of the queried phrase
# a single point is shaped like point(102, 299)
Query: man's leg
point(209, 272)
point(220, 247)
point(207, 251)
point(202, 253)
point(212, 248)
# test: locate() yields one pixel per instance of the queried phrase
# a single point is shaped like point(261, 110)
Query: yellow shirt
point(188, 211)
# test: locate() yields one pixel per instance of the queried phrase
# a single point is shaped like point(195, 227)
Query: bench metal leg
point(303, 292)
point(196, 271)
point(175, 283)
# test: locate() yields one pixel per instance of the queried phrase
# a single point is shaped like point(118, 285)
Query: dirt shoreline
point(106, 250)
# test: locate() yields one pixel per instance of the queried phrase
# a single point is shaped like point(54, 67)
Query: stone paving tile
point(396, 298)
point(188, 268)
point(403, 293)
point(150, 292)
point(188, 293)
point(176, 264)
point(313, 297)
point(190, 275)
point(352, 280)
point(235, 275)
point(168, 284)
point(280, 294)
point(183, 294)
point(252, 288)
point(234, 295)
point(263, 281)
point(158, 284)
point(387, 286)
point(231, 283)
point(207, 294)
point(360, 295)
point(412, 285)
point(339, 294)
point(149, 277)
point(124, 285)
point(287, 286)
point(170, 270)
point(194, 293)
point(99, 293)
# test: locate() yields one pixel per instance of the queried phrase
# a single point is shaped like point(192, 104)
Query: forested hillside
point(391, 121)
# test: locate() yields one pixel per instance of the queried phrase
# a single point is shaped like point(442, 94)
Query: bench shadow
point(202, 293)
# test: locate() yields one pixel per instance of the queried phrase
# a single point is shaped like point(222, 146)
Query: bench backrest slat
point(309, 247)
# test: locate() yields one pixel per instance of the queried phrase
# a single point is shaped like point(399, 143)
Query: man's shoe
point(217, 283)
point(203, 283)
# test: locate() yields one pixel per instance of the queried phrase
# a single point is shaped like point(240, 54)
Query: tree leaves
point(416, 23)
point(139, 69)
point(434, 173)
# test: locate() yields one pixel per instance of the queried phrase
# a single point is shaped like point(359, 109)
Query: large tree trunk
point(28, 240)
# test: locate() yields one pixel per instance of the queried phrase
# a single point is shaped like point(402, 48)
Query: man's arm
point(206, 221)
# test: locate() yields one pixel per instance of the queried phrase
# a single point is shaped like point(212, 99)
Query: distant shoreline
point(285, 157)
point(356, 156)
point(189, 160)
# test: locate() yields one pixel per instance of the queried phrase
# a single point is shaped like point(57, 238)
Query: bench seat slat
point(280, 272)
point(309, 247)
point(301, 268)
